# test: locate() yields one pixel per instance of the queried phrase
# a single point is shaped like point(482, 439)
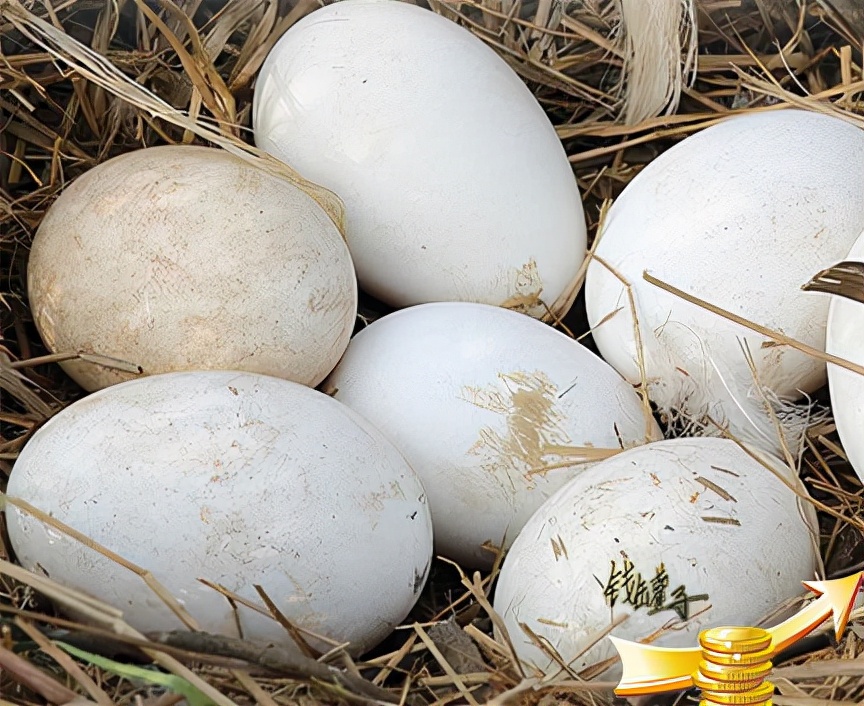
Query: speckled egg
point(188, 258)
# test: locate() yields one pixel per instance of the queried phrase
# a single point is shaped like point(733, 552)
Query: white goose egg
point(237, 478)
point(845, 339)
point(740, 215)
point(493, 409)
point(684, 534)
point(456, 185)
point(184, 257)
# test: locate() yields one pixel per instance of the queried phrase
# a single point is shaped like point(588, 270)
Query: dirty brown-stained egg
point(688, 533)
point(184, 257)
point(493, 409)
point(236, 478)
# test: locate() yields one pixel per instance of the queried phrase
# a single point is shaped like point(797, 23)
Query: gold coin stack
point(735, 663)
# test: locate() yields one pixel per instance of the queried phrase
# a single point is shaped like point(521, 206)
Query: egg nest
point(71, 80)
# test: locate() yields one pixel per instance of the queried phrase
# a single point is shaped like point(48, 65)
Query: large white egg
point(845, 339)
point(493, 409)
point(740, 215)
point(184, 257)
point(236, 478)
point(656, 535)
point(455, 183)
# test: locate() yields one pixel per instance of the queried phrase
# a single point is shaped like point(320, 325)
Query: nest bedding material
point(84, 80)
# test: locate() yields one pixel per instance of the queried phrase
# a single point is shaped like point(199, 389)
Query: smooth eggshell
point(233, 477)
point(845, 339)
point(185, 257)
point(740, 215)
point(492, 409)
point(720, 523)
point(456, 185)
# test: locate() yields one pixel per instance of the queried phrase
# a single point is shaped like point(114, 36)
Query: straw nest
point(85, 80)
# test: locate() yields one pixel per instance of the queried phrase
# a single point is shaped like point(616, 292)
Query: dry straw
point(622, 80)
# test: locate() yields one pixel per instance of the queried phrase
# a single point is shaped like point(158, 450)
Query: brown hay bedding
point(753, 55)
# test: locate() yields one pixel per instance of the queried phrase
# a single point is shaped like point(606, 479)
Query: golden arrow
point(650, 670)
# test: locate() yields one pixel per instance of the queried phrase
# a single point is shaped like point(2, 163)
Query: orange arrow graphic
point(651, 670)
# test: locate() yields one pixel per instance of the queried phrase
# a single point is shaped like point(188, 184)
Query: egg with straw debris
point(456, 185)
point(234, 478)
point(668, 538)
point(493, 409)
point(184, 257)
point(845, 339)
point(738, 215)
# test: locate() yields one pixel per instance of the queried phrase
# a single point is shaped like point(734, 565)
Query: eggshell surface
point(493, 409)
point(236, 478)
point(456, 185)
point(183, 257)
point(739, 215)
point(689, 533)
point(846, 340)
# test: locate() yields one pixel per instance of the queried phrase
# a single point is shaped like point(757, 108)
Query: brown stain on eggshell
point(374, 502)
point(527, 287)
point(532, 422)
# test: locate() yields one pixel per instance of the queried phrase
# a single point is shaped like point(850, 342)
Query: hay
point(653, 55)
point(85, 80)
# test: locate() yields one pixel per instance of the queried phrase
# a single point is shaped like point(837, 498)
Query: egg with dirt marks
point(493, 409)
point(662, 541)
point(739, 215)
point(187, 258)
point(233, 478)
point(456, 185)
